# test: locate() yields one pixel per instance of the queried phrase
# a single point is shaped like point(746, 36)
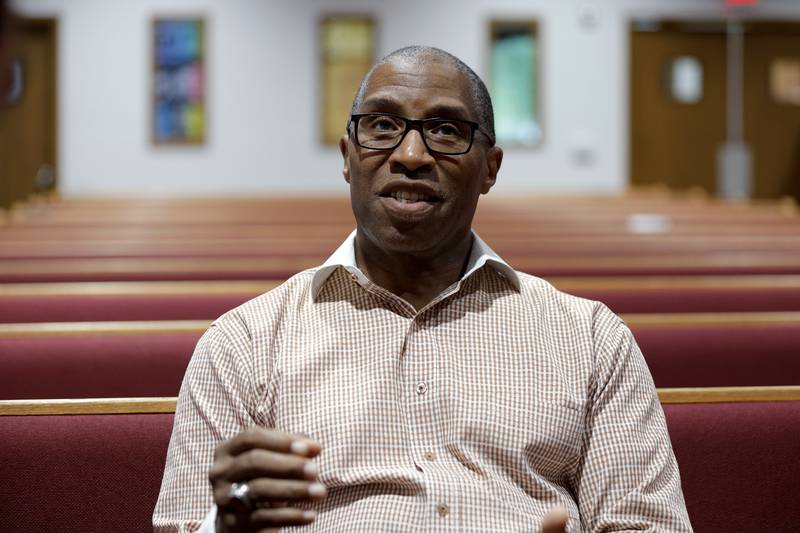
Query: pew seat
point(94, 473)
point(89, 366)
point(696, 300)
point(141, 359)
point(188, 300)
point(721, 355)
point(739, 464)
point(90, 307)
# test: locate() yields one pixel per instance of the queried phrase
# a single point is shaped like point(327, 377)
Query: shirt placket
point(422, 378)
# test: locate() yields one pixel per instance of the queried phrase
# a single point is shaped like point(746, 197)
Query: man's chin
point(404, 237)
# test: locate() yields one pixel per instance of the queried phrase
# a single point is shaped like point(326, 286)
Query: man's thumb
point(555, 521)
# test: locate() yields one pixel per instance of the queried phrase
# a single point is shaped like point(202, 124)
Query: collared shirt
point(479, 412)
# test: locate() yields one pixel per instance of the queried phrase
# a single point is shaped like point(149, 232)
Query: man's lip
point(408, 210)
point(417, 187)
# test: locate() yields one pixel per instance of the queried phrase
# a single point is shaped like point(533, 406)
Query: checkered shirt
point(498, 400)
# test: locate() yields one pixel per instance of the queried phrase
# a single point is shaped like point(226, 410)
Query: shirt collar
point(345, 256)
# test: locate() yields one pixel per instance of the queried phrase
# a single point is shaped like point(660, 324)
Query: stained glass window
point(347, 55)
point(179, 106)
point(514, 82)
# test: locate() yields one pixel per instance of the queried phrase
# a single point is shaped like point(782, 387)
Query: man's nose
point(412, 154)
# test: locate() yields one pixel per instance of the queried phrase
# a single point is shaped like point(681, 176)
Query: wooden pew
point(270, 239)
point(191, 300)
point(96, 465)
point(290, 243)
point(271, 268)
point(104, 359)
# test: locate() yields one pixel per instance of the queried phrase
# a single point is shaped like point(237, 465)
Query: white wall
point(263, 99)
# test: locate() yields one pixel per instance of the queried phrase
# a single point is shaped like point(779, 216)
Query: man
point(415, 382)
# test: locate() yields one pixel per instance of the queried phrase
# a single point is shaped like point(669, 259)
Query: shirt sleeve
point(628, 479)
point(216, 401)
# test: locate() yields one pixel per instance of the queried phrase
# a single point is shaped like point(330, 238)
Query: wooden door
point(675, 142)
point(28, 120)
point(772, 107)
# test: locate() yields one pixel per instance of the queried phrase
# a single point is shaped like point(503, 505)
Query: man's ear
point(344, 146)
point(494, 158)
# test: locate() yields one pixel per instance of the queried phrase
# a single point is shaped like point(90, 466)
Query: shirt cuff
point(208, 525)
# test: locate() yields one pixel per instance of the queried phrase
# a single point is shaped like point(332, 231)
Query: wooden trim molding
point(96, 406)
point(720, 260)
point(167, 405)
point(637, 283)
point(155, 327)
point(621, 283)
point(729, 394)
point(144, 327)
point(139, 288)
point(712, 319)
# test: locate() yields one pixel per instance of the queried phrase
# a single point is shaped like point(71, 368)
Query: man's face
point(385, 186)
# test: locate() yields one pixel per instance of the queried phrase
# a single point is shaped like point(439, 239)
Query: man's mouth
point(407, 205)
point(410, 197)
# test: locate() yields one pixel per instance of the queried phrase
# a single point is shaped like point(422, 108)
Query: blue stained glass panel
point(177, 42)
point(178, 82)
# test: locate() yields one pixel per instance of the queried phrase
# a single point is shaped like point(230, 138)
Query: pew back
point(97, 472)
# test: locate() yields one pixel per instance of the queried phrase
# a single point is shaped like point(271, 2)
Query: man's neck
point(417, 279)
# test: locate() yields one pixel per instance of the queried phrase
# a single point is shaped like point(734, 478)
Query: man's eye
point(383, 125)
point(446, 129)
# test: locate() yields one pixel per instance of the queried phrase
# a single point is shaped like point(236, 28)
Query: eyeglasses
point(385, 131)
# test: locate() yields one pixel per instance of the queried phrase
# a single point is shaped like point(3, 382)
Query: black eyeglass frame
point(418, 124)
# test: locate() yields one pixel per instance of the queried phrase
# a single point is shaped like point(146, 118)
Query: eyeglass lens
point(384, 132)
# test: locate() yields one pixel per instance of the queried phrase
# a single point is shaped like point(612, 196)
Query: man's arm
point(216, 401)
point(628, 479)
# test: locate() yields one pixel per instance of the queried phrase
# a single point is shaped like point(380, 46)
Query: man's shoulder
point(265, 309)
point(559, 304)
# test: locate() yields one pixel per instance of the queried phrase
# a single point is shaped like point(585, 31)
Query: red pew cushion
point(696, 300)
point(739, 464)
point(99, 473)
point(94, 366)
point(721, 356)
point(79, 308)
point(82, 473)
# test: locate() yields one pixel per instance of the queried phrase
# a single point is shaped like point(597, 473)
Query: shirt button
point(430, 456)
point(443, 510)
point(422, 388)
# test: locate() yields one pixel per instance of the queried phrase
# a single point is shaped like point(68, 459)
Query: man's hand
point(555, 521)
point(277, 469)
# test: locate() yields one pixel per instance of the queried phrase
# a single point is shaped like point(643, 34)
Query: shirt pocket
point(525, 454)
point(552, 439)
point(542, 438)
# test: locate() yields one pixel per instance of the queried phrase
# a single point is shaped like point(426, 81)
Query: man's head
point(410, 197)
point(481, 100)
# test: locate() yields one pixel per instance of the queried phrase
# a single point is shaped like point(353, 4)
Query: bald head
point(481, 101)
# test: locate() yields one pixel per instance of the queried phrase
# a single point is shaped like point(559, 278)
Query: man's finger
point(273, 440)
point(280, 517)
point(555, 521)
point(268, 520)
point(262, 463)
point(274, 492)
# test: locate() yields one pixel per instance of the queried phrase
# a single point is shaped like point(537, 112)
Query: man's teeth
point(410, 197)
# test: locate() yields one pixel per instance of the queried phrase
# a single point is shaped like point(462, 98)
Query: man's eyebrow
point(379, 103)
point(448, 111)
point(384, 104)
